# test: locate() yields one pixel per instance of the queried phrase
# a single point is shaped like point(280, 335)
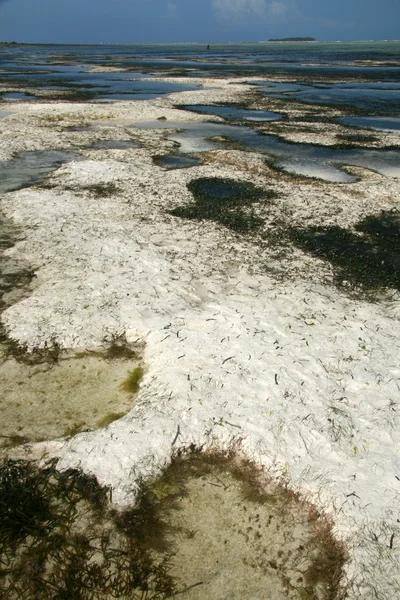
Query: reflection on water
point(303, 159)
point(385, 123)
point(30, 167)
point(270, 87)
point(363, 95)
point(231, 113)
point(104, 86)
point(17, 96)
point(70, 66)
point(173, 161)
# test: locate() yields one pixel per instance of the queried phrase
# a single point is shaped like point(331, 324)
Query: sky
point(162, 21)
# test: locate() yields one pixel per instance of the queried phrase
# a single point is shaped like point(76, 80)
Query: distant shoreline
point(293, 39)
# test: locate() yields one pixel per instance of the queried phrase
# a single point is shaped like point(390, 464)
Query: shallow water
point(104, 86)
point(385, 123)
point(279, 88)
point(231, 540)
point(107, 88)
point(79, 128)
point(224, 201)
point(69, 66)
point(231, 113)
point(302, 159)
point(365, 96)
point(30, 168)
point(18, 97)
point(78, 393)
point(173, 161)
point(374, 65)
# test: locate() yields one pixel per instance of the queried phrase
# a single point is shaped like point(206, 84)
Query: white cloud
point(235, 9)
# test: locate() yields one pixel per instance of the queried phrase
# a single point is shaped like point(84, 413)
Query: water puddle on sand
point(211, 527)
point(141, 89)
point(30, 168)
point(232, 113)
point(385, 123)
point(302, 159)
point(104, 86)
point(79, 128)
point(4, 113)
point(277, 87)
point(18, 97)
point(174, 161)
point(238, 535)
point(52, 400)
point(363, 95)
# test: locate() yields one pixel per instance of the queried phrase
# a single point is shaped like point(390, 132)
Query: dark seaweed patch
point(368, 256)
point(225, 201)
point(101, 190)
point(347, 139)
point(118, 348)
point(60, 538)
point(73, 95)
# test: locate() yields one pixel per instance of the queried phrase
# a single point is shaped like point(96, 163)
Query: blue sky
point(141, 21)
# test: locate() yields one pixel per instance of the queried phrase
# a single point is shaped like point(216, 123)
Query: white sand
point(302, 378)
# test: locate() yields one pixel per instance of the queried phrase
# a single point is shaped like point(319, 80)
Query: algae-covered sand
point(249, 340)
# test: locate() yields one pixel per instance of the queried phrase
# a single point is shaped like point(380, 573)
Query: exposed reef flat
point(250, 342)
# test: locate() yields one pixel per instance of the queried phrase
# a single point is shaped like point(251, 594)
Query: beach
point(248, 342)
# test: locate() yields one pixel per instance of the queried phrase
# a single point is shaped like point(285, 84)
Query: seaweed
point(60, 538)
point(225, 201)
point(131, 383)
point(355, 138)
point(367, 256)
point(101, 190)
point(49, 354)
point(119, 348)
